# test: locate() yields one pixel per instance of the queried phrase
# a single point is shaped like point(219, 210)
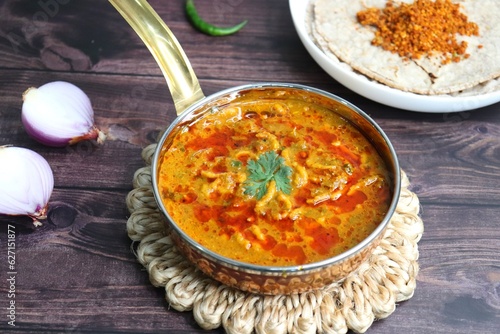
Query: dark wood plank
point(457, 287)
point(91, 259)
point(450, 162)
point(133, 110)
point(77, 273)
point(267, 49)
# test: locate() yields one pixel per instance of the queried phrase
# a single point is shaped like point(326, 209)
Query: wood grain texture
point(77, 273)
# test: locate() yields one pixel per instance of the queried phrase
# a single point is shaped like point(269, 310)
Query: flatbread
point(335, 29)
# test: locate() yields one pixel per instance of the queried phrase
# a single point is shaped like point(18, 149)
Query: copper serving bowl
point(190, 102)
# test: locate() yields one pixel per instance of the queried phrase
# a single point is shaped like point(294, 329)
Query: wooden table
point(77, 273)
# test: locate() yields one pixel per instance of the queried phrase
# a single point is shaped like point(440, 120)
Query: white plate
point(379, 92)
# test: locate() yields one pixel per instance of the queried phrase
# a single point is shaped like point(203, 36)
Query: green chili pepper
point(207, 28)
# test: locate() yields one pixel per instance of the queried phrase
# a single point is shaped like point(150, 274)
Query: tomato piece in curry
point(273, 182)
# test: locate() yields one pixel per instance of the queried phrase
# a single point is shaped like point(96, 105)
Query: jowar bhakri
point(335, 27)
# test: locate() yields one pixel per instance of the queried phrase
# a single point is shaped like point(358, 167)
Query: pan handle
point(161, 42)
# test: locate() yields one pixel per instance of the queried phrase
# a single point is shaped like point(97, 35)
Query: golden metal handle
point(166, 50)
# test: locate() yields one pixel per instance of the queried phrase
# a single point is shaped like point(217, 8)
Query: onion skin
point(26, 183)
point(59, 114)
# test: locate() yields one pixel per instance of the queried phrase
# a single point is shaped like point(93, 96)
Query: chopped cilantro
point(269, 166)
point(236, 163)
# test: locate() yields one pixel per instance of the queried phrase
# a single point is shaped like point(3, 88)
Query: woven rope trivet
point(369, 293)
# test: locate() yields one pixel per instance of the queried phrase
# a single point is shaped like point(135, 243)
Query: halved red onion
point(26, 183)
point(59, 114)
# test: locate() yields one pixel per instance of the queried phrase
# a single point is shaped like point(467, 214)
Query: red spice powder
point(424, 27)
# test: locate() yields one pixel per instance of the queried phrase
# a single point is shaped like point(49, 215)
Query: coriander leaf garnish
point(236, 163)
point(269, 166)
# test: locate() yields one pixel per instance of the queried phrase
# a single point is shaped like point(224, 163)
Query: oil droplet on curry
point(274, 182)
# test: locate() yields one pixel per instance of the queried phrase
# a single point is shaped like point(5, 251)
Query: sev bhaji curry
point(273, 182)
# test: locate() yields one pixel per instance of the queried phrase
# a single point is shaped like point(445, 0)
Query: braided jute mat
point(371, 292)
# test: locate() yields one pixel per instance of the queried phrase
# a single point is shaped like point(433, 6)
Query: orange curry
point(275, 181)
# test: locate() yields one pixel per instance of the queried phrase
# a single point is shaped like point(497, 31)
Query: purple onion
point(26, 183)
point(59, 114)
